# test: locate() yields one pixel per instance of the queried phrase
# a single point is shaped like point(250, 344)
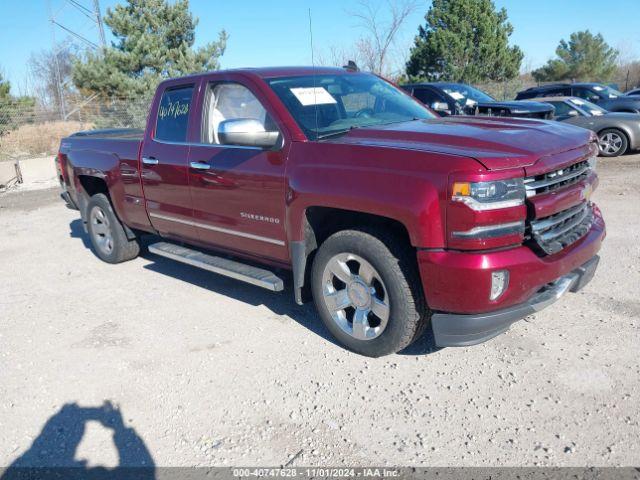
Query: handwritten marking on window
point(173, 110)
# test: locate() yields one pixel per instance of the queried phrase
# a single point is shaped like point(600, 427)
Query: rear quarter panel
point(630, 127)
point(116, 162)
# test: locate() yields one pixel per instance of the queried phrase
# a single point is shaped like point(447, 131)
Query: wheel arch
point(91, 185)
point(319, 223)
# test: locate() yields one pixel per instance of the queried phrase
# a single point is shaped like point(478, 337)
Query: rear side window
point(173, 114)
point(557, 92)
point(527, 94)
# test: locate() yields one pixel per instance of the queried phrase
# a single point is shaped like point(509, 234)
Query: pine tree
point(154, 41)
point(584, 57)
point(5, 88)
point(464, 41)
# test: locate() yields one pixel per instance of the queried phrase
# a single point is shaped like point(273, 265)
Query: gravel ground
point(174, 366)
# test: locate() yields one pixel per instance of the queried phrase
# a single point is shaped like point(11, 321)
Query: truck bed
point(112, 133)
point(114, 153)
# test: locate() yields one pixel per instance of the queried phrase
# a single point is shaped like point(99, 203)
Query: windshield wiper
point(354, 127)
point(336, 133)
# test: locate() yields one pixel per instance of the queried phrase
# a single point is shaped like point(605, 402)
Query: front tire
point(612, 142)
point(108, 238)
point(367, 292)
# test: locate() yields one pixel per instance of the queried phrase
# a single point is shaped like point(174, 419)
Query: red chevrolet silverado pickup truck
point(392, 219)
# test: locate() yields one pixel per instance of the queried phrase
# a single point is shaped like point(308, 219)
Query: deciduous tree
point(381, 24)
point(44, 67)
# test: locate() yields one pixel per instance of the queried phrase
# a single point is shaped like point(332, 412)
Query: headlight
point(490, 195)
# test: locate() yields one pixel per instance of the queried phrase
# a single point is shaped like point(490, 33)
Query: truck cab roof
point(274, 72)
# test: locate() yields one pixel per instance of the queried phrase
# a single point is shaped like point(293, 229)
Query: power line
point(80, 7)
point(77, 35)
point(92, 14)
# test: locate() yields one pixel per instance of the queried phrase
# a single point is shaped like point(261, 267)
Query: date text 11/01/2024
point(312, 472)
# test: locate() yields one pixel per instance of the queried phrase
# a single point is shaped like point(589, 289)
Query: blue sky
point(276, 32)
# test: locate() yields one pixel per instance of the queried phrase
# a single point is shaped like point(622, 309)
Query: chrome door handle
point(150, 161)
point(200, 165)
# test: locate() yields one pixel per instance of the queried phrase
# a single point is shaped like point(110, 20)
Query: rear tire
point(367, 292)
point(612, 142)
point(108, 238)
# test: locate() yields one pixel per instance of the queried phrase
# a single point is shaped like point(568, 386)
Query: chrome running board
point(222, 266)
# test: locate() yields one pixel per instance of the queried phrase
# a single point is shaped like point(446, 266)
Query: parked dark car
point(617, 131)
point(635, 91)
point(607, 97)
point(461, 99)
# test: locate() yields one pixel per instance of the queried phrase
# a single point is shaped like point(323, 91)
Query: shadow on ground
point(281, 303)
point(53, 452)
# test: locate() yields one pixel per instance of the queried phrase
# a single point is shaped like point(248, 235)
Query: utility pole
point(59, 87)
point(96, 10)
point(55, 19)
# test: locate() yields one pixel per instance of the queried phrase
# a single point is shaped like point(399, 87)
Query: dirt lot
point(201, 370)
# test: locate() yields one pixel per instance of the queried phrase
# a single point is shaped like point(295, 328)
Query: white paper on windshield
point(313, 96)
point(456, 95)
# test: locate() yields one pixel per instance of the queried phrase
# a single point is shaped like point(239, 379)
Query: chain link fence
point(28, 131)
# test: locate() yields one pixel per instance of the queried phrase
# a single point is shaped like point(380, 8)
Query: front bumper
point(460, 282)
point(457, 284)
point(456, 330)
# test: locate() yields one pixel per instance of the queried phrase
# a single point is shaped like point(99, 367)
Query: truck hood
point(631, 102)
point(519, 106)
point(496, 142)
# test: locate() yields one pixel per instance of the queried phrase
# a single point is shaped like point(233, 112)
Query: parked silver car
point(617, 132)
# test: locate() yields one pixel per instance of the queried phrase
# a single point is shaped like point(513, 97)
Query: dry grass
point(34, 140)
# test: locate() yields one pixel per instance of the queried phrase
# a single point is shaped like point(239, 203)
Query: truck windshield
point(607, 92)
point(330, 104)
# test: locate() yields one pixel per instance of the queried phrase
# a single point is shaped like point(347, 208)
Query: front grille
point(556, 179)
point(553, 233)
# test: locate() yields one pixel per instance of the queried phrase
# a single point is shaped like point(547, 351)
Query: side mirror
point(572, 113)
point(247, 132)
point(441, 107)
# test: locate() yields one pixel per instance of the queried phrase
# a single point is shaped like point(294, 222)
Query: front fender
point(407, 186)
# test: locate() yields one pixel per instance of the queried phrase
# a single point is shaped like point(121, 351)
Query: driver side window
point(562, 109)
point(231, 101)
point(586, 94)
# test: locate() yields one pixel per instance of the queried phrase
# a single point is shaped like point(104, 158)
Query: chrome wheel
point(355, 295)
point(101, 230)
point(610, 143)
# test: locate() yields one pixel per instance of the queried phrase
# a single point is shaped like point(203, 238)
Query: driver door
point(238, 192)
